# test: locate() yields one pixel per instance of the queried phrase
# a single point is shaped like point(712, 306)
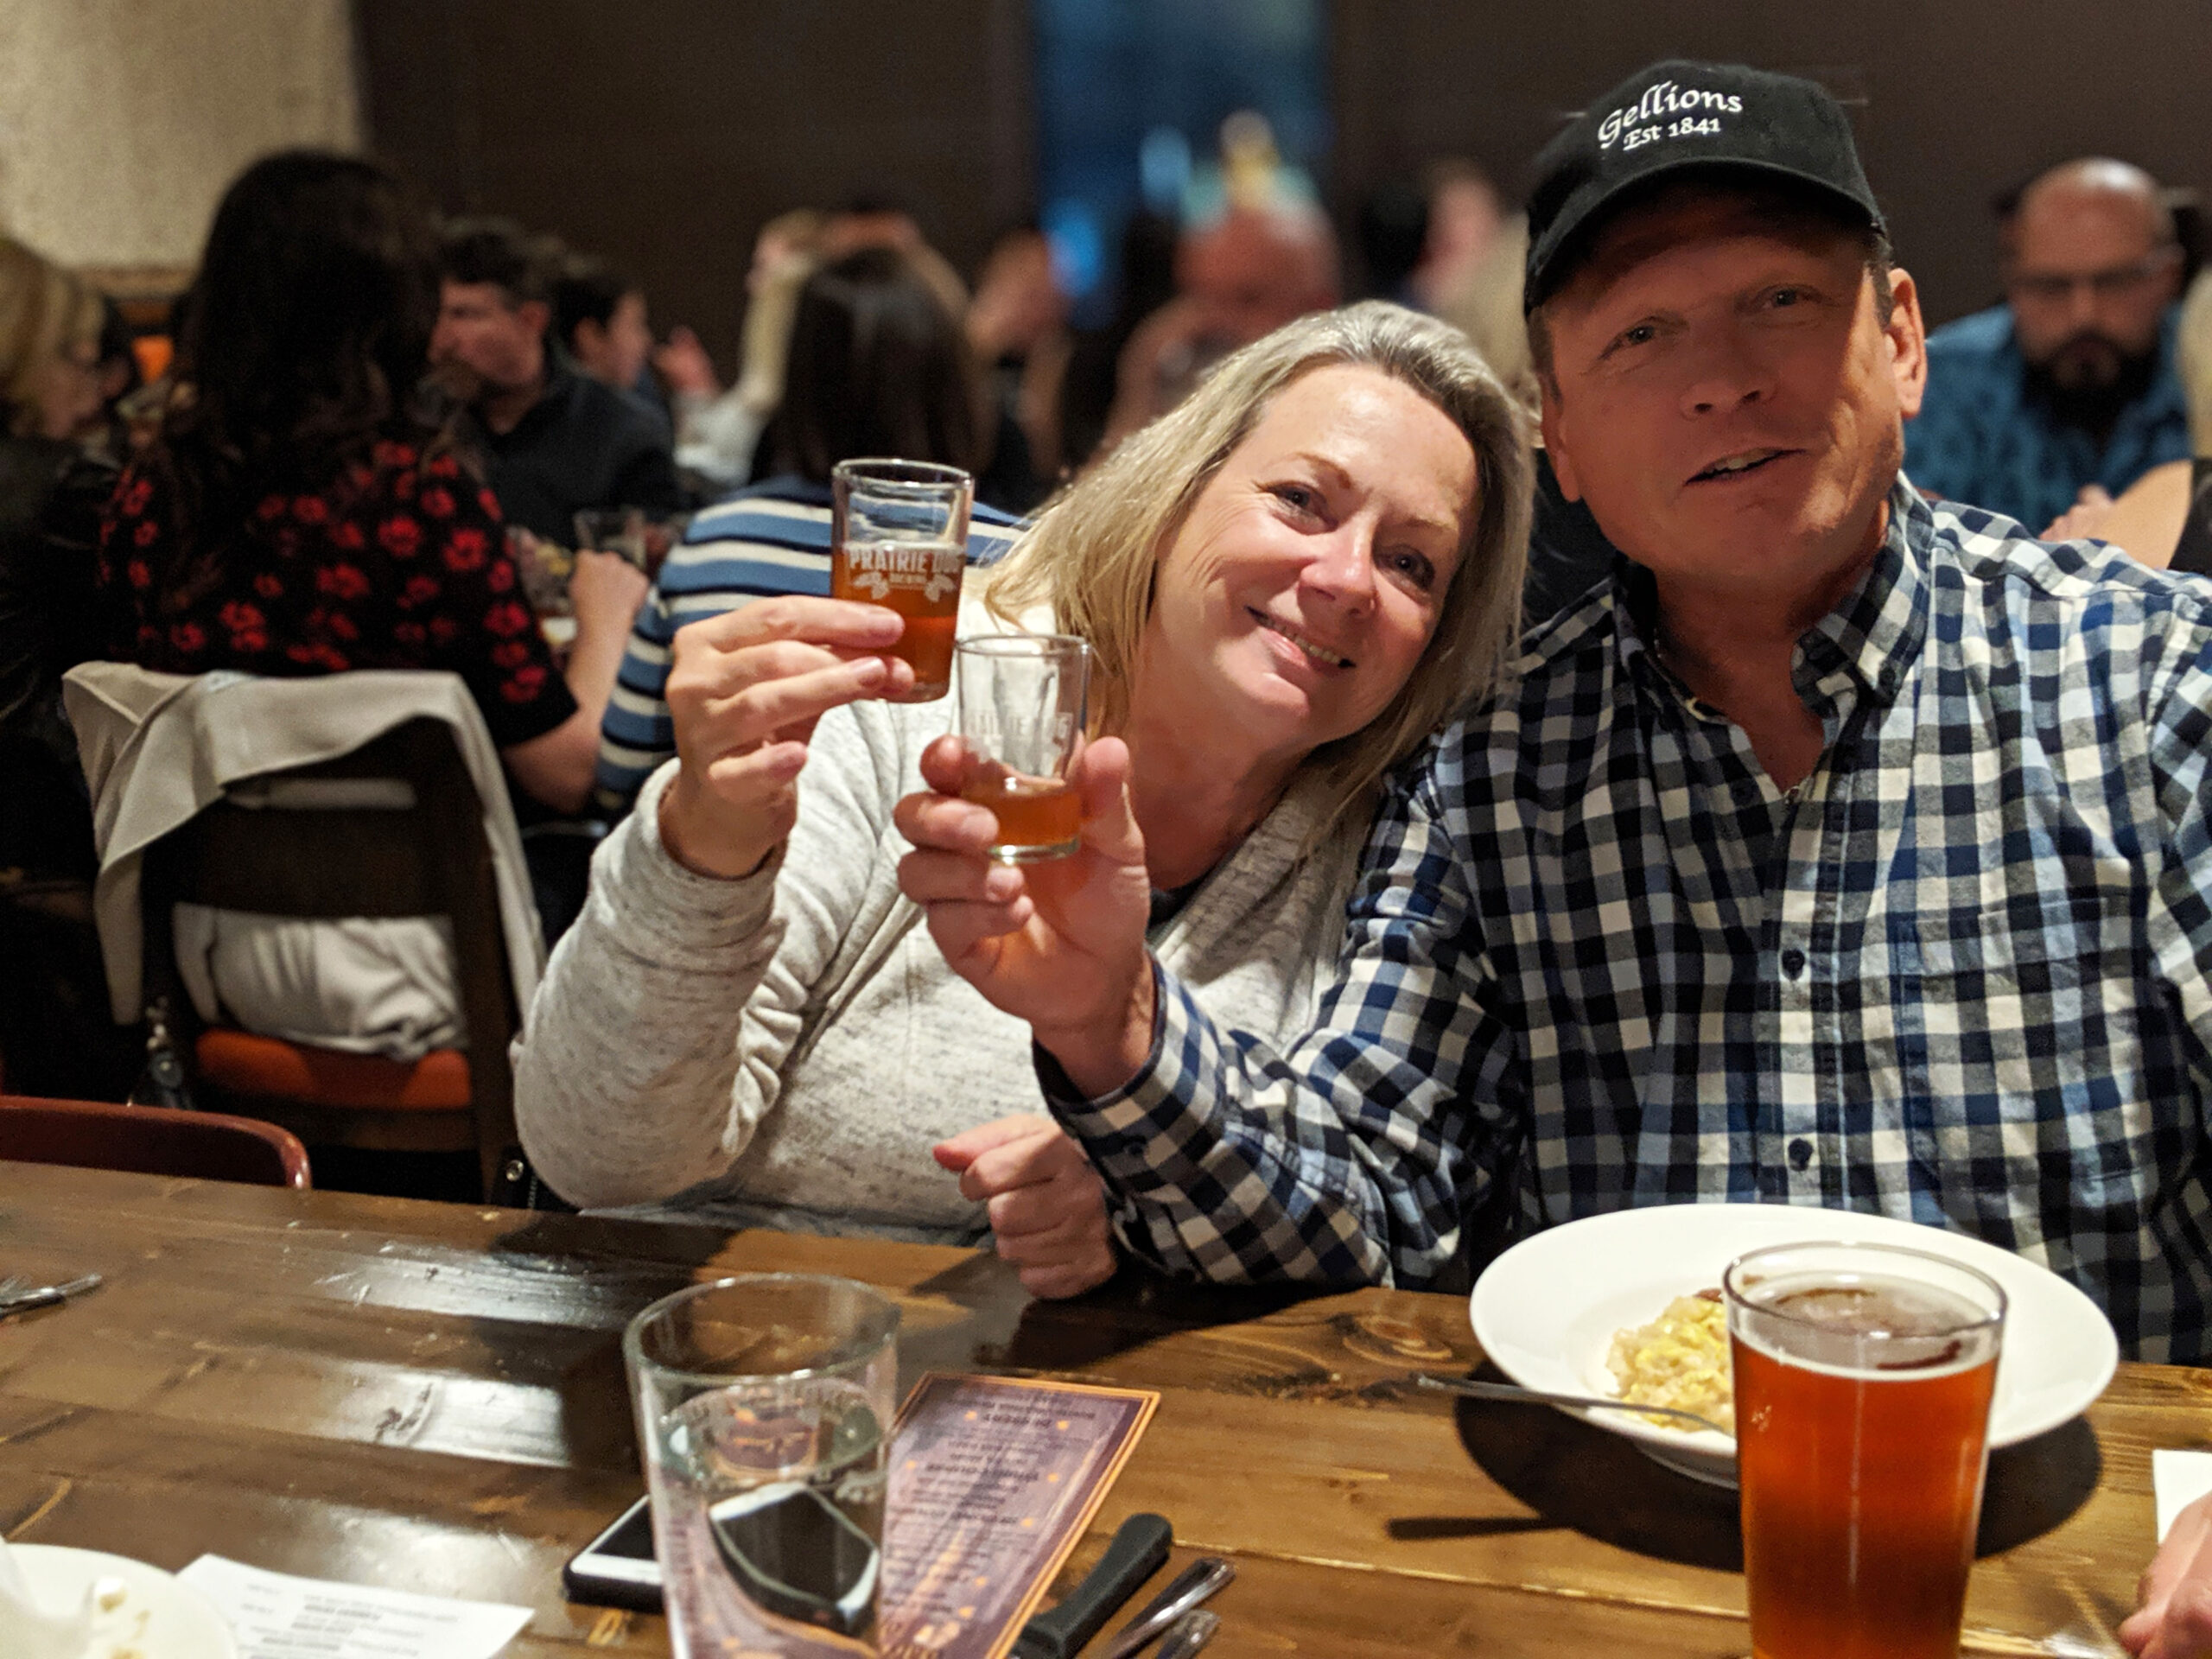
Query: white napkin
point(278, 1616)
point(2178, 1479)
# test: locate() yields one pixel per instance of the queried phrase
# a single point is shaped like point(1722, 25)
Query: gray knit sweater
point(783, 1050)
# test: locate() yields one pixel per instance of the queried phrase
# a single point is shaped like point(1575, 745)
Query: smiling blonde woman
point(1289, 582)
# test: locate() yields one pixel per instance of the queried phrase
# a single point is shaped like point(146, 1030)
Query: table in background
point(430, 1396)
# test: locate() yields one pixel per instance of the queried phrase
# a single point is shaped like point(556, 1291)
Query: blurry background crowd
point(684, 248)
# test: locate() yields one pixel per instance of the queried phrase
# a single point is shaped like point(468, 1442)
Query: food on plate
point(1680, 1359)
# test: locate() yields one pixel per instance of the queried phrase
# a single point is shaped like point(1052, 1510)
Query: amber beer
point(1863, 1381)
point(921, 582)
point(1038, 818)
point(1024, 702)
point(898, 537)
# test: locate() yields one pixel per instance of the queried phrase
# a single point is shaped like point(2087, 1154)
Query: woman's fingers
point(1057, 1283)
point(1048, 1210)
point(756, 773)
point(957, 1151)
point(1046, 1205)
point(1046, 1154)
point(791, 703)
point(797, 616)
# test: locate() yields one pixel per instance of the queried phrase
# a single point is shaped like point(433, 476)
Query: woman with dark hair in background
point(877, 366)
point(299, 513)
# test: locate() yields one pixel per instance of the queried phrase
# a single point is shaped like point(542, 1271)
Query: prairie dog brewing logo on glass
point(1667, 111)
point(876, 568)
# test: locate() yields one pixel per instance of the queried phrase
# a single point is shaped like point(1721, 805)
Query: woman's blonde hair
point(1092, 553)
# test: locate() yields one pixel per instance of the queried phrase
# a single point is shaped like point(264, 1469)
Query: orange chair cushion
point(244, 1064)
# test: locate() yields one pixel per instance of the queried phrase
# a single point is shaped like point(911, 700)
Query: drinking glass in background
point(1862, 1378)
point(1022, 710)
point(765, 1406)
point(544, 568)
point(899, 536)
point(638, 535)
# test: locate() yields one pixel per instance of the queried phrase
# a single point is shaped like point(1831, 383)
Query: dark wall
point(663, 133)
point(1961, 98)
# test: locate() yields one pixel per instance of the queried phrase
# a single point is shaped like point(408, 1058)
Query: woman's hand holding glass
point(1060, 945)
point(745, 689)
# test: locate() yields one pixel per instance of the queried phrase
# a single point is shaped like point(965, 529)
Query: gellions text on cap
point(1663, 97)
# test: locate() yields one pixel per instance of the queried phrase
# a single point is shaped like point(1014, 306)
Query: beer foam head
point(1866, 1324)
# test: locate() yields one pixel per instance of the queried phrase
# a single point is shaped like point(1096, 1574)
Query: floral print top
point(400, 562)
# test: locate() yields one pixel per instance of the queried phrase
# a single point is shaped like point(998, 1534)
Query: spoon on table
point(1475, 1390)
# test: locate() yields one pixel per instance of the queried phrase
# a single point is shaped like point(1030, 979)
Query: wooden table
point(430, 1397)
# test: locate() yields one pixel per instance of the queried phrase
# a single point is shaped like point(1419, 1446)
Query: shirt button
point(1800, 1153)
point(1793, 961)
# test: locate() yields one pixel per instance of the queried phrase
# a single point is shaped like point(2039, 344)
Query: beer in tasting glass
point(898, 537)
point(1863, 1380)
point(1023, 703)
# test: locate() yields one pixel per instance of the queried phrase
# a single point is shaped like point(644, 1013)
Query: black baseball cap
point(1680, 115)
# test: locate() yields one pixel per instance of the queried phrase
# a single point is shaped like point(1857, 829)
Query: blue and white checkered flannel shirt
point(1596, 959)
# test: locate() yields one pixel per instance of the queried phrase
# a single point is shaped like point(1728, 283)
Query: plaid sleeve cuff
point(1206, 1182)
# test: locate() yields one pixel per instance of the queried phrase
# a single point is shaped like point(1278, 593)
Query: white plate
point(158, 1619)
point(1546, 1311)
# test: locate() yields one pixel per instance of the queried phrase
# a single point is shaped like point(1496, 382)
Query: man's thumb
point(1101, 779)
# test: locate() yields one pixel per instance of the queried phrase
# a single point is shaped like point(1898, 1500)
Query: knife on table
point(1192, 1585)
point(25, 1301)
point(1138, 1551)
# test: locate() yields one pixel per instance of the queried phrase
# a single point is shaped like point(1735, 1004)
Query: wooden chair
point(430, 858)
point(150, 1141)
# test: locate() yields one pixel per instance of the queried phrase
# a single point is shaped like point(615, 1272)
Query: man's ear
point(1908, 338)
point(535, 315)
point(1556, 445)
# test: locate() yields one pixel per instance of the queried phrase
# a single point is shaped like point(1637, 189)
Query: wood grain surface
point(430, 1397)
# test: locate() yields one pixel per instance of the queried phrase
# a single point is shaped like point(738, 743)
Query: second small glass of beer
point(1023, 702)
point(1863, 1375)
point(899, 536)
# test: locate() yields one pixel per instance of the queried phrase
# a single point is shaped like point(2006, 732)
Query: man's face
point(1726, 397)
point(2089, 278)
point(486, 342)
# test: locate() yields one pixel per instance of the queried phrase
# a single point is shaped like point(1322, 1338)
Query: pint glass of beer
point(899, 536)
point(1023, 708)
point(1863, 1376)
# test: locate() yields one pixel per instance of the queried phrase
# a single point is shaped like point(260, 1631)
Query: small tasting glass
point(1023, 704)
point(898, 537)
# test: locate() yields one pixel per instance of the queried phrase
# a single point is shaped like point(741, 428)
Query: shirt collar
point(1875, 634)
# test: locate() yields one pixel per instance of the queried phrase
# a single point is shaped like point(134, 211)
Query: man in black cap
point(1840, 851)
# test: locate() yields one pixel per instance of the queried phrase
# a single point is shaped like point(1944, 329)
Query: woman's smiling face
point(1302, 588)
